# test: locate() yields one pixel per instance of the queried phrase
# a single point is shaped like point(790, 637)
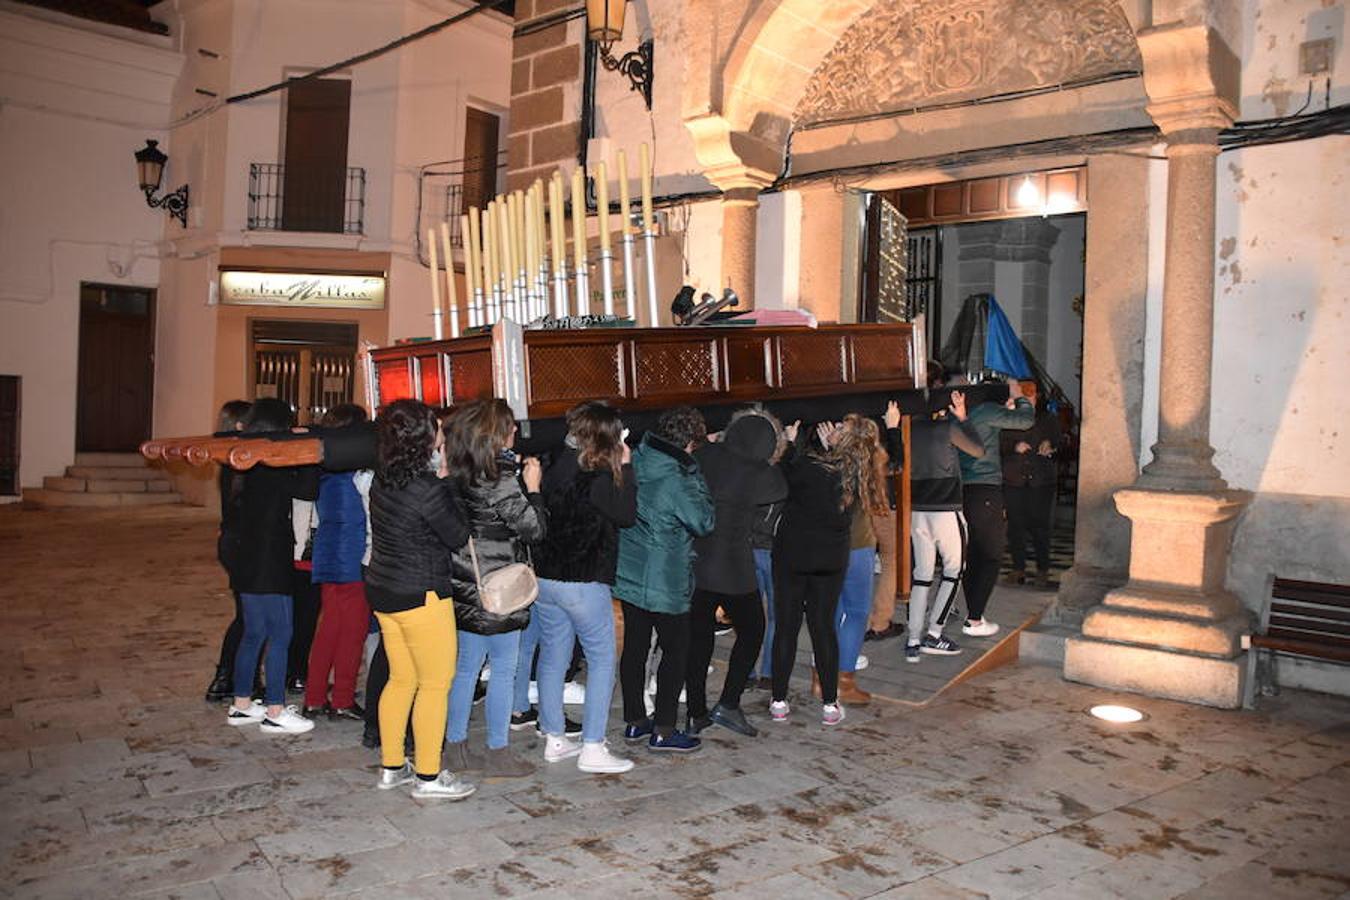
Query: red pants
point(341, 635)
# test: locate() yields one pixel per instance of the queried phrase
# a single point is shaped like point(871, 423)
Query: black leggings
point(672, 632)
point(747, 615)
point(1029, 512)
point(376, 678)
point(813, 595)
point(988, 536)
point(229, 645)
point(305, 596)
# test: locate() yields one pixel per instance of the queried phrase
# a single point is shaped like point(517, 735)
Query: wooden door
point(314, 189)
point(480, 158)
point(11, 390)
point(116, 368)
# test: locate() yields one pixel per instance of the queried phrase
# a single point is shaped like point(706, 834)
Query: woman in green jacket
point(655, 577)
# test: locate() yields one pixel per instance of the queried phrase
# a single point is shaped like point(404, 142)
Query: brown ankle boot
point(502, 763)
point(849, 692)
point(460, 759)
point(815, 684)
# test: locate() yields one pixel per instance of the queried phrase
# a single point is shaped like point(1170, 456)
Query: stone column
point(1173, 630)
point(740, 207)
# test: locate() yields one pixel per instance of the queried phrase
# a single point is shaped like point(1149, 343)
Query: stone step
point(112, 473)
point(107, 486)
point(121, 460)
point(37, 498)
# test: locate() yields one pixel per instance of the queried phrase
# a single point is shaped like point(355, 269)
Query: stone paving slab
point(116, 780)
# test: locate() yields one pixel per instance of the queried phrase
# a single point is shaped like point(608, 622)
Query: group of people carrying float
point(760, 518)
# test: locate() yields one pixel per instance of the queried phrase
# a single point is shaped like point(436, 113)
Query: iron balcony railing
point(309, 200)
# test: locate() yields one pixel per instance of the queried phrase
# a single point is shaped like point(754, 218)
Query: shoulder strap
point(477, 576)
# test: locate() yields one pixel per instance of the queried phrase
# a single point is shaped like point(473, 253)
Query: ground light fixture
point(1116, 714)
point(604, 26)
point(150, 162)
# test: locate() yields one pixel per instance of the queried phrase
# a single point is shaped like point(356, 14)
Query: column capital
point(733, 159)
point(1192, 78)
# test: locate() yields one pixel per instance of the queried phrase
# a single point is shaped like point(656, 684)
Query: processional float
point(531, 336)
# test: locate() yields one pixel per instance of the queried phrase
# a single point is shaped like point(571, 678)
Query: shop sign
point(305, 290)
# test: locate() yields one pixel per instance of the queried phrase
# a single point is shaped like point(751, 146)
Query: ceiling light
point(1027, 193)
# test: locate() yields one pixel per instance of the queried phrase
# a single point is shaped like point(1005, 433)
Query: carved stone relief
point(908, 53)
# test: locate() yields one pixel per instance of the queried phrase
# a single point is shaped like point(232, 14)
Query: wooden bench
point(1304, 618)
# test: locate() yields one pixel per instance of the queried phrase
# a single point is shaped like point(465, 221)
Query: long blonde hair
point(861, 461)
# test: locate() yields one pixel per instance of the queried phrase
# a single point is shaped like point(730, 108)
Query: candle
point(451, 285)
point(648, 221)
point(490, 259)
point(472, 264)
point(578, 218)
point(602, 204)
point(531, 250)
point(435, 284)
point(555, 221)
point(504, 250)
point(625, 200)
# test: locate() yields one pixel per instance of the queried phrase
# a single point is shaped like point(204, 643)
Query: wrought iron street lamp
point(150, 162)
point(604, 26)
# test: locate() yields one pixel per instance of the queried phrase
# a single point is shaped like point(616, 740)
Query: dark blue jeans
point(267, 620)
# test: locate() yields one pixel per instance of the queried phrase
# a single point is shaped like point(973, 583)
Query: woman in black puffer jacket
point(501, 500)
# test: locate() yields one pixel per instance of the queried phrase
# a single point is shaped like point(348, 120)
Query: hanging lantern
point(604, 21)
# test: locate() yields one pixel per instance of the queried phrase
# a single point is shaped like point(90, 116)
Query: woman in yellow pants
point(415, 523)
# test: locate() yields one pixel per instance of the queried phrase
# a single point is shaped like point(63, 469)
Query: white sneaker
point(558, 747)
point(778, 710)
point(596, 759)
point(486, 672)
point(288, 722)
point(446, 786)
point(392, 778)
point(979, 628)
point(255, 713)
point(831, 714)
point(862, 663)
point(574, 693)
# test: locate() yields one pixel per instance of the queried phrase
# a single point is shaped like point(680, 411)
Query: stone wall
point(546, 72)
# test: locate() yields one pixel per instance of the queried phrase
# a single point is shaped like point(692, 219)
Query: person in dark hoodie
point(230, 418)
point(741, 475)
point(937, 525)
point(655, 575)
point(500, 497)
point(590, 492)
point(259, 546)
point(1029, 476)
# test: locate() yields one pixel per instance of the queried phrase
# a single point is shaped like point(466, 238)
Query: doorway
point(115, 393)
point(310, 365)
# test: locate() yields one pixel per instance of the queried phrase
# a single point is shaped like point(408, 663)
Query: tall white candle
point(648, 220)
point(451, 291)
point(472, 271)
point(435, 285)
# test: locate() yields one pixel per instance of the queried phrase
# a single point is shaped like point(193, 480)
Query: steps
point(103, 480)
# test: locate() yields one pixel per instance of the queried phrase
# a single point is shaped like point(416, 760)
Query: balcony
point(312, 200)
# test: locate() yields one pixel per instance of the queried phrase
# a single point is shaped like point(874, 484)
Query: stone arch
point(756, 87)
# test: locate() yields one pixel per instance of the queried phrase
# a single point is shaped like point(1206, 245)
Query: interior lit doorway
point(310, 365)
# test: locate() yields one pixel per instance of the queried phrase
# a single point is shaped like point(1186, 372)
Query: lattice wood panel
point(748, 361)
point(881, 357)
point(471, 376)
point(811, 359)
point(676, 368)
point(588, 371)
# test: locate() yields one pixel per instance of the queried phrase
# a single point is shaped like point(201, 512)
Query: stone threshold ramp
point(890, 679)
point(101, 480)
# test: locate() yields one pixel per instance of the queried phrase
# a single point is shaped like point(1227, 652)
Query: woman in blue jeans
point(590, 493)
point(501, 502)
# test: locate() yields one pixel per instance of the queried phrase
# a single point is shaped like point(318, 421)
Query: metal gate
point(309, 365)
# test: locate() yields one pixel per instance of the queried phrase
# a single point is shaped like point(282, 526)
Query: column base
point(1081, 588)
point(1157, 672)
point(1182, 466)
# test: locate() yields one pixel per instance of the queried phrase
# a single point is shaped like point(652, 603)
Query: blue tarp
point(1002, 349)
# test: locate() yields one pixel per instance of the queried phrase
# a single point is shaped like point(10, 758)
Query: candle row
point(517, 248)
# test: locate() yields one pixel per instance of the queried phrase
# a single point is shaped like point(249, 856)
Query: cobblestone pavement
point(116, 780)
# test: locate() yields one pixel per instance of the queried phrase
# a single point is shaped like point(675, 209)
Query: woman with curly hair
point(862, 462)
point(505, 512)
point(415, 524)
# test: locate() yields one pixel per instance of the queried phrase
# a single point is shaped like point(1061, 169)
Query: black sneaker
point(939, 646)
point(527, 719)
point(697, 724)
point(221, 687)
point(353, 712)
point(370, 738)
point(636, 733)
point(479, 692)
point(675, 742)
point(733, 719)
point(295, 686)
point(892, 630)
point(570, 728)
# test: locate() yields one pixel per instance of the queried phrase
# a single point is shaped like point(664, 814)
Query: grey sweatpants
point(933, 534)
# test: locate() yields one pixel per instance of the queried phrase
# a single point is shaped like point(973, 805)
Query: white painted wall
point(74, 106)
